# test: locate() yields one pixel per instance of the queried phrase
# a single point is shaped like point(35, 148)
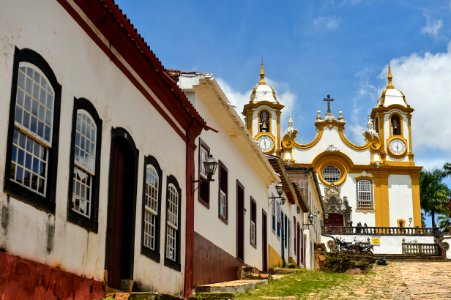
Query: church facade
point(371, 185)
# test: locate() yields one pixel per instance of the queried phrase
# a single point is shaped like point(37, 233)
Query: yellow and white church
point(371, 185)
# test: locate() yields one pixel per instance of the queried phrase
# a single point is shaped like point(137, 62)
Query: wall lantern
point(210, 165)
point(279, 200)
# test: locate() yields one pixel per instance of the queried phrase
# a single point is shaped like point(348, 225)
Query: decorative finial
point(262, 74)
point(340, 115)
point(370, 123)
point(290, 121)
point(390, 77)
point(318, 115)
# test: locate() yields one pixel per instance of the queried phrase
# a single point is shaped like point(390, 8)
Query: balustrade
point(380, 230)
point(420, 249)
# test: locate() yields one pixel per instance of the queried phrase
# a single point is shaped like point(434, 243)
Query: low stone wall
point(384, 244)
point(25, 279)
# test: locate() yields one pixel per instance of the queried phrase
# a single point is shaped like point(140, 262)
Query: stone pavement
point(398, 280)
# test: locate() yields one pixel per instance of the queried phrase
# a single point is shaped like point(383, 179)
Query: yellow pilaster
point(416, 199)
point(381, 201)
point(278, 131)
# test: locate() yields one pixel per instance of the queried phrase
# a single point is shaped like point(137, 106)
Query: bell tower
point(392, 120)
point(262, 115)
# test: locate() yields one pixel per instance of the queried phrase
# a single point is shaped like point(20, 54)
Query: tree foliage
point(434, 194)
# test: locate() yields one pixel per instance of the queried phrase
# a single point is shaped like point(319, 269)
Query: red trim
point(113, 24)
point(25, 279)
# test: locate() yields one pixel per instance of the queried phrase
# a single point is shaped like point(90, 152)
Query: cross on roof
point(328, 99)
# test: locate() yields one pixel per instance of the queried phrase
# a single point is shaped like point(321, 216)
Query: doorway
point(121, 208)
point(264, 242)
point(240, 221)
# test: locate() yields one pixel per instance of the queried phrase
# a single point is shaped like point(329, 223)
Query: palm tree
point(447, 168)
point(434, 194)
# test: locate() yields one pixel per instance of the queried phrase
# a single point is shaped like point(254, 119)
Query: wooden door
point(240, 221)
point(121, 212)
point(264, 242)
point(298, 244)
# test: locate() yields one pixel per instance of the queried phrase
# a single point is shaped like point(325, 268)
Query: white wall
point(240, 167)
point(83, 70)
point(331, 137)
point(388, 244)
point(400, 199)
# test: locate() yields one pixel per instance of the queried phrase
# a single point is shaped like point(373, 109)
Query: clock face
point(397, 146)
point(265, 143)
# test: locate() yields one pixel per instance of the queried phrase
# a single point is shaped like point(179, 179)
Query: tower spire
point(262, 74)
point(389, 78)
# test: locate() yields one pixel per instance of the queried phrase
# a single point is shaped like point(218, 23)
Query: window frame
point(253, 221)
point(91, 223)
point(204, 186)
point(146, 251)
point(371, 201)
point(260, 121)
point(273, 216)
point(223, 186)
point(18, 191)
point(173, 264)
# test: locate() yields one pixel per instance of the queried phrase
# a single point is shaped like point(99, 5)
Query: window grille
point(331, 174)
point(364, 194)
point(172, 223)
point(151, 208)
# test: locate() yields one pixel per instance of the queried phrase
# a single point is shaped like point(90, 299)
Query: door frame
point(121, 133)
point(264, 241)
point(240, 215)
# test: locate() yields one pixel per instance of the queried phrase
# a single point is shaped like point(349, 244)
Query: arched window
point(264, 121)
point(395, 125)
point(331, 173)
point(173, 223)
point(364, 194)
point(85, 165)
point(151, 209)
point(32, 139)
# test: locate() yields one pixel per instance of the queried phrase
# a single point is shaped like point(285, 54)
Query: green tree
point(447, 168)
point(434, 194)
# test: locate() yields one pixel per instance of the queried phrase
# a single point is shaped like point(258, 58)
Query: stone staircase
point(248, 278)
point(409, 257)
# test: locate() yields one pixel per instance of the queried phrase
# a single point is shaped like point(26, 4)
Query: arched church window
point(331, 174)
point(264, 121)
point(395, 125)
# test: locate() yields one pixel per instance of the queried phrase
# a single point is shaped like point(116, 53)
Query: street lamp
point(210, 165)
point(310, 219)
point(279, 189)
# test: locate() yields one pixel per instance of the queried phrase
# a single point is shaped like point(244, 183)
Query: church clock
point(397, 147)
point(265, 143)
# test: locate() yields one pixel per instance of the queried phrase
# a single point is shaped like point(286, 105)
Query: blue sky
point(313, 48)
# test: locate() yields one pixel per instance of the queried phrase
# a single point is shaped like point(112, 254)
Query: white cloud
point(236, 98)
point(432, 27)
point(425, 79)
point(328, 23)
point(365, 97)
point(239, 99)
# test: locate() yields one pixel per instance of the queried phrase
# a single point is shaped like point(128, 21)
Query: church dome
point(262, 91)
point(390, 95)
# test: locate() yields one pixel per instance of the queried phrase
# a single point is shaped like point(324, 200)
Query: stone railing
point(340, 230)
point(420, 249)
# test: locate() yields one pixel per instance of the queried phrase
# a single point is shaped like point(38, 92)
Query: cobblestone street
point(398, 280)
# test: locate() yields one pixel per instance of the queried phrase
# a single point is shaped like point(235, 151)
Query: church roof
point(390, 95)
point(262, 91)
